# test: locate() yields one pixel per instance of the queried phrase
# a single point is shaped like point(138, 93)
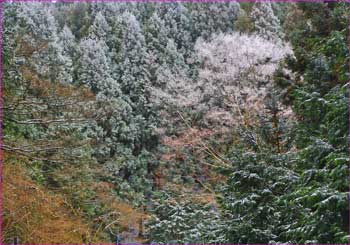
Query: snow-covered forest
point(175, 123)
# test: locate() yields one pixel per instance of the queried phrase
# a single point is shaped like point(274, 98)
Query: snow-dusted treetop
point(266, 23)
point(228, 57)
point(233, 69)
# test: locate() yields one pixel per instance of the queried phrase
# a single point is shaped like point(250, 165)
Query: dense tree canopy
point(177, 122)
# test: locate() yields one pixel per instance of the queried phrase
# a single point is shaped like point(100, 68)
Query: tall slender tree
point(266, 23)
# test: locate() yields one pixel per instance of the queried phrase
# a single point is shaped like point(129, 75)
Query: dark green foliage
point(208, 19)
point(321, 194)
point(262, 173)
point(185, 222)
point(252, 195)
point(301, 194)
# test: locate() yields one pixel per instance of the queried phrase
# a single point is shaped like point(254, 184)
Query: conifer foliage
point(177, 122)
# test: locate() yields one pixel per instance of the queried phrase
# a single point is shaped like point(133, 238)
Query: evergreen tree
point(172, 85)
point(177, 222)
point(311, 208)
point(69, 50)
point(93, 63)
point(99, 28)
point(156, 40)
point(261, 174)
point(42, 31)
point(208, 19)
point(134, 77)
point(266, 23)
point(39, 20)
point(178, 26)
point(80, 19)
point(319, 199)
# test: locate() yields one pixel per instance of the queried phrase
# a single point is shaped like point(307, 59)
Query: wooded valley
point(175, 123)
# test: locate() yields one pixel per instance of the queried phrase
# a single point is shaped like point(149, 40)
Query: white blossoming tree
point(234, 69)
